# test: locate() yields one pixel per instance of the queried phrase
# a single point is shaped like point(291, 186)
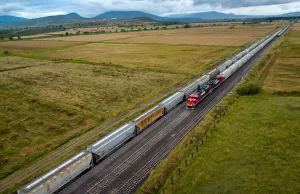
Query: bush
point(249, 88)
point(186, 26)
point(6, 52)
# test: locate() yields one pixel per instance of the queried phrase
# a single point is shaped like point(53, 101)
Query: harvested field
point(285, 72)
point(217, 35)
point(95, 38)
point(170, 58)
point(11, 63)
point(75, 96)
point(27, 45)
point(36, 36)
point(200, 40)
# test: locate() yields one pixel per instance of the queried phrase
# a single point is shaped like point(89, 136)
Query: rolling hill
point(128, 15)
point(11, 19)
point(207, 15)
point(213, 15)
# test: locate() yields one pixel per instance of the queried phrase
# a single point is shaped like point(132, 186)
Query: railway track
point(123, 171)
point(73, 144)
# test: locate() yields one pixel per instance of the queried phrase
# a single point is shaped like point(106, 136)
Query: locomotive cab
point(193, 100)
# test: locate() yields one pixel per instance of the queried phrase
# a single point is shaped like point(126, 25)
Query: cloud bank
point(90, 8)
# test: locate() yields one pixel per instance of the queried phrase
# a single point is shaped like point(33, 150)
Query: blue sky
point(90, 8)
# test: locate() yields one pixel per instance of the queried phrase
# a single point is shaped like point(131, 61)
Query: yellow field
point(15, 62)
point(285, 72)
point(44, 105)
point(178, 59)
point(217, 35)
point(95, 38)
point(23, 45)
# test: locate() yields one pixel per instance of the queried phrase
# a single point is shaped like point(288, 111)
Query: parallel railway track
point(128, 167)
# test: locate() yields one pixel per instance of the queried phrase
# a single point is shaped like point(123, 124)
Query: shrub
point(6, 52)
point(249, 88)
point(186, 26)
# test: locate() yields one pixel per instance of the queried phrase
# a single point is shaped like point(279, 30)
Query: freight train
point(195, 92)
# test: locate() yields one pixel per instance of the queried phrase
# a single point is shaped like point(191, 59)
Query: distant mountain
point(292, 14)
point(11, 19)
point(52, 20)
point(66, 16)
point(212, 15)
point(128, 15)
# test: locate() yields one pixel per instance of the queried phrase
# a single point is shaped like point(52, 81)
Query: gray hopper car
point(172, 101)
point(189, 89)
point(111, 142)
point(225, 65)
point(59, 176)
point(203, 80)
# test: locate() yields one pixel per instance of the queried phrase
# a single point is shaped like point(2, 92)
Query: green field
point(75, 96)
point(255, 147)
point(283, 73)
point(180, 59)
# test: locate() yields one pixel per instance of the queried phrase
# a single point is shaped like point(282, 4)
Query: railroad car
point(188, 90)
point(60, 175)
point(172, 101)
point(213, 73)
point(146, 119)
point(108, 144)
point(213, 84)
point(203, 80)
point(225, 65)
point(194, 99)
point(204, 91)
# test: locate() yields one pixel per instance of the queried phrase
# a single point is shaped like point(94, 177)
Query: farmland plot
point(75, 96)
point(285, 72)
point(235, 35)
point(187, 59)
point(26, 45)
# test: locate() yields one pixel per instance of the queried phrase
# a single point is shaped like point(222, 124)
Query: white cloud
point(90, 8)
point(266, 10)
